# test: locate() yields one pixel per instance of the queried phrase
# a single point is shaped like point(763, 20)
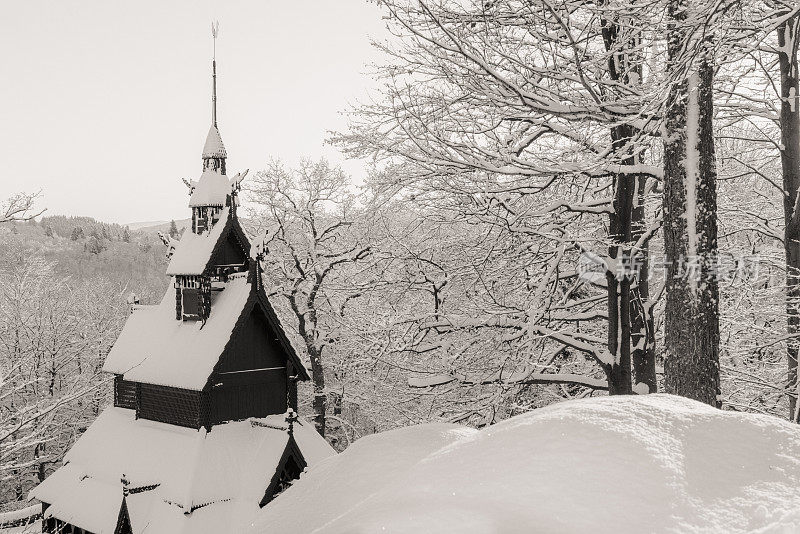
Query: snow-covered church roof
point(156, 348)
point(212, 189)
point(180, 479)
point(214, 148)
point(193, 251)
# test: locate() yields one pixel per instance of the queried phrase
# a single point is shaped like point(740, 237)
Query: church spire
point(214, 150)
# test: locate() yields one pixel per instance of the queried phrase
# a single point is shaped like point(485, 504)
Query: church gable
point(290, 467)
point(232, 248)
point(254, 345)
point(124, 520)
point(252, 376)
point(296, 365)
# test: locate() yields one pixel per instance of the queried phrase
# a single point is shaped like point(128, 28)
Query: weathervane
point(214, 34)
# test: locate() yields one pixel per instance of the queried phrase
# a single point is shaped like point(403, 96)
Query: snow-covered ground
point(634, 464)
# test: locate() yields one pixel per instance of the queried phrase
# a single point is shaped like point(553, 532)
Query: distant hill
point(144, 224)
point(86, 249)
point(163, 226)
point(159, 226)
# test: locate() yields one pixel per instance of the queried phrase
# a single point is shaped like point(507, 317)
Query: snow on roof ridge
point(264, 424)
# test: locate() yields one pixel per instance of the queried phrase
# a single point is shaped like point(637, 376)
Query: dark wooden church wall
point(255, 346)
point(251, 378)
point(292, 385)
point(232, 402)
point(52, 525)
point(124, 393)
point(169, 405)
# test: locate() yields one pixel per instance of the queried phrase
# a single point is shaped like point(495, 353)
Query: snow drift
point(655, 463)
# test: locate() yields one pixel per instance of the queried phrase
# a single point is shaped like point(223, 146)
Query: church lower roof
point(180, 479)
point(69, 489)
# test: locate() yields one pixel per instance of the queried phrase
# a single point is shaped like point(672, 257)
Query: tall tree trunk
point(307, 328)
point(790, 164)
point(621, 47)
point(691, 366)
point(318, 377)
point(619, 283)
point(643, 336)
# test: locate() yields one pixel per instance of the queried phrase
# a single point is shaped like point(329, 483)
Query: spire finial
point(214, 34)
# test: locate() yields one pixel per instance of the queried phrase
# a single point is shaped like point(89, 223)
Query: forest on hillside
point(65, 283)
point(564, 199)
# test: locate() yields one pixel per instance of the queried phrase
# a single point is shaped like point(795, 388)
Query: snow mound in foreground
point(653, 463)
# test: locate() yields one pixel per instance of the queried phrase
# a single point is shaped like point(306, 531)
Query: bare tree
point(19, 207)
point(756, 107)
point(537, 116)
point(54, 334)
point(311, 214)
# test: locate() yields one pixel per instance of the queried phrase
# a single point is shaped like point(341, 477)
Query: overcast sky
point(106, 105)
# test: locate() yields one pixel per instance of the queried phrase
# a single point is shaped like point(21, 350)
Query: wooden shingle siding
point(169, 405)
point(124, 393)
point(291, 380)
point(251, 378)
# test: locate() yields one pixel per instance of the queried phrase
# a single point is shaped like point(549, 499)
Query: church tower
point(212, 190)
point(203, 430)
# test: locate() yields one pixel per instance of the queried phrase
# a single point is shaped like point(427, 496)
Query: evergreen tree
point(94, 245)
point(48, 231)
point(173, 229)
point(126, 235)
point(77, 233)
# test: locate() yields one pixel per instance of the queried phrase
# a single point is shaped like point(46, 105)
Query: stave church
point(203, 431)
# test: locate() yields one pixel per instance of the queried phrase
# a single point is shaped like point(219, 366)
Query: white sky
point(106, 105)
